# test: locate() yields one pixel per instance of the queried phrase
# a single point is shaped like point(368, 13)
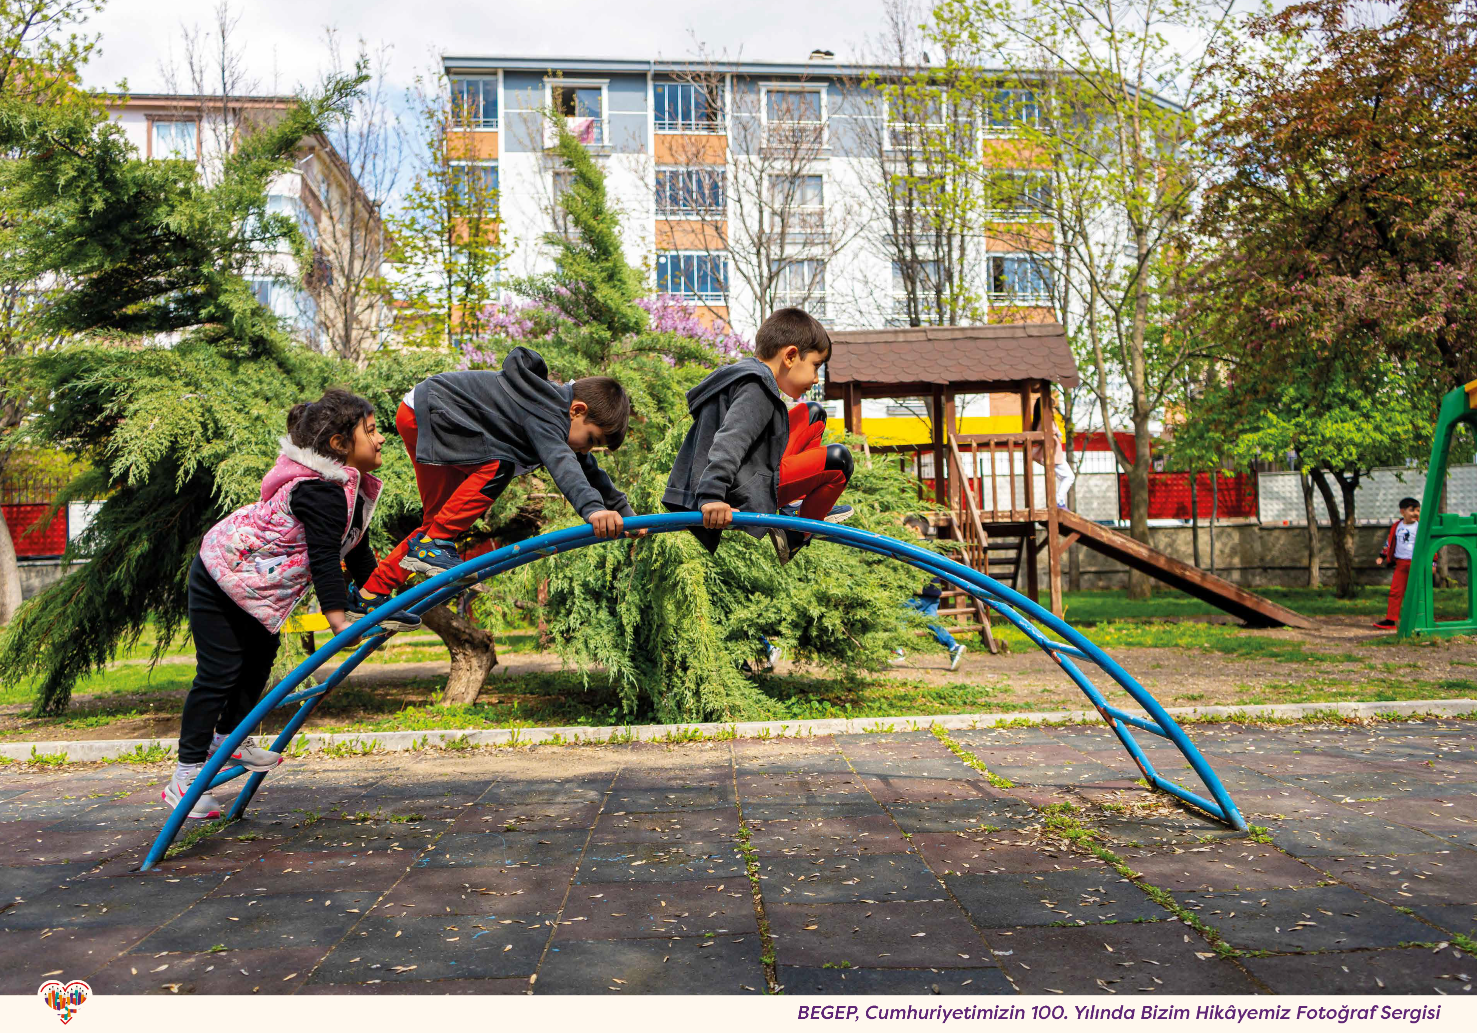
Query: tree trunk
point(1194, 519)
point(1342, 526)
point(1310, 513)
point(10, 576)
point(473, 655)
point(1215, 511)
point(1138, 505)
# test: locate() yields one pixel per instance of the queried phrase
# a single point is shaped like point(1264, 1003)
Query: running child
point(1398, 551)
point(256, 565)
point(748, 449)
point(470, 432)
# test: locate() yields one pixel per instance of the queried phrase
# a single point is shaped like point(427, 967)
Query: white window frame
point(497, 92)
point(1021, 174)
point(988, 128)
point(710, 297)
point(155, 122)
point(765, 89)
point(812, 301)
point(700, 214)
point(486, 163)
point(716, 128)
point(580, 84)
point(1031, 300)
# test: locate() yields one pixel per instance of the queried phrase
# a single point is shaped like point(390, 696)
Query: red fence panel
point(1169, 496)
point(50, 540)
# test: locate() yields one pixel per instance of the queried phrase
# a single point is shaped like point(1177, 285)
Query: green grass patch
point(1114, 604)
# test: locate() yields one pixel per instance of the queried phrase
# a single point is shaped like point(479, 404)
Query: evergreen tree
point(179, 423)
point(671, 625)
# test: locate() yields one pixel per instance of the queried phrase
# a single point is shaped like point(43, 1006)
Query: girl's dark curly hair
point(312, 425)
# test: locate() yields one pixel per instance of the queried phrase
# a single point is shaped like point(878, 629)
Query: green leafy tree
point(177, 385)
point(670, 625)
point(446, 232)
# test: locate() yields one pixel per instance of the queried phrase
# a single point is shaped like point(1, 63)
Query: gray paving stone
point(1393, 971)
point(1127, 958)
point(1066, 897)
point(1301, 920)
point(877, 877)
point(963, 815)
point(274, 920)
point(914, 934)
point(443, 946)
point(798, 980)
point(686, 965)
point(1351, 834)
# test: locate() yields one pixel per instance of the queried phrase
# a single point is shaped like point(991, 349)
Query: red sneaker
point(1385, 624)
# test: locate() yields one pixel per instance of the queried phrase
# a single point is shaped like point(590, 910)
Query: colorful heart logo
point(64, 998)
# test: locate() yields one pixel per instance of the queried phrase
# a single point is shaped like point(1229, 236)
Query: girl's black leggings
point(233, 659)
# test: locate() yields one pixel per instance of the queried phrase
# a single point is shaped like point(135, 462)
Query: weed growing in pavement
point(152, 753)
point(195, 834)
point(998, 781)
point(766, 937)
point(47, 760)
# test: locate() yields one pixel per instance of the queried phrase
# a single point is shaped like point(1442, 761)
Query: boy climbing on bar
point(748, 449)
point(470, 432)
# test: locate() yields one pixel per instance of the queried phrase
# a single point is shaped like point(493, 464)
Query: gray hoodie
point(740, 428)
point(471, 417)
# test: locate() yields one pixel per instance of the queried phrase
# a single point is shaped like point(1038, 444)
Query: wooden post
point(956, 472)
point(940, 456)
point(853, 403)
point(1048, 452)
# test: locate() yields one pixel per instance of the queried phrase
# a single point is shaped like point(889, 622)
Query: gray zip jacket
point(740, 428)
point(471, 417)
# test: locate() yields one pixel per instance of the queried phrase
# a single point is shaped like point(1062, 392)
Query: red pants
point(452, 498)
point(803, 473)
point(1397, 590)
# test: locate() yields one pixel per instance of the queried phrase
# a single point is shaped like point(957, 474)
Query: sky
point(284, 38)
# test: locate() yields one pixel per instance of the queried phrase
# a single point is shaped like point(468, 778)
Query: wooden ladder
point(965, 516)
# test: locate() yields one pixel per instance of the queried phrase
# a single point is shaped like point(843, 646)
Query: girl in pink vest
point(256, 565)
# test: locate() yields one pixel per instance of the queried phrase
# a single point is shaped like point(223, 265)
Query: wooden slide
point(1238, 602)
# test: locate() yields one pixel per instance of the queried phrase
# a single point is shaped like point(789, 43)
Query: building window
point(1013, 107)
point(928, 123)
point(474, 183)
point(684, 107)
point(929, 279)
point(474, 103)
point(695, 276)
point(794, 118)
point(797, 204)
point(175, 140)
point(802, 283)
point(683, 193)
point(582, 108)
point(1021, 279)
point(1018, 192)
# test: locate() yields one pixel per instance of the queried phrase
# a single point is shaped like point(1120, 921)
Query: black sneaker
point(361, 604)
point(1385, 624)
point(838, 514)
point(431, 556)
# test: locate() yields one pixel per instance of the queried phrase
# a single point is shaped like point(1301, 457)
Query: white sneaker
point(205, 807)
point(252, 757)
point(898, 658)
point(956, 654)
point(774, 656)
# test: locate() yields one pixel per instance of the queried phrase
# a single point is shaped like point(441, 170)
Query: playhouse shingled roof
point(952, 354)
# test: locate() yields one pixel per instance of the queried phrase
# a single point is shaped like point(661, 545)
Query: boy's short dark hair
point(1409, 503)
point(788, 326)
point(607, 406)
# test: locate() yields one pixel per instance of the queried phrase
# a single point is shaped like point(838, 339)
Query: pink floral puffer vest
point(259, 554)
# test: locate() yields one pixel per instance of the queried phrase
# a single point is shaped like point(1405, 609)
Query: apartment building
point(341, 225)
point(744, 187)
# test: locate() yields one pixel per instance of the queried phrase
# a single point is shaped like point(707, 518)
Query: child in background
point(472, 431)
point(748, 450)
point(926, 602)
point(1397, 553)
point(256, 564)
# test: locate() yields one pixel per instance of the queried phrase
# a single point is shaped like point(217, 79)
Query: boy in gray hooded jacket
point(748, 449)
point(470, 432)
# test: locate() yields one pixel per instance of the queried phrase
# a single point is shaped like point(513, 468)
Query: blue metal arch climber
point(1015, 607)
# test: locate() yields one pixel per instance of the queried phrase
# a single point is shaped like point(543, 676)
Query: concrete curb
point(350, 743)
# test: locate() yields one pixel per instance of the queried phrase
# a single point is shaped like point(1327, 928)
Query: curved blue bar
point(1016, 608)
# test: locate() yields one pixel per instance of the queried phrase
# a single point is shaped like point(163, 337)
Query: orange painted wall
point(691, 235)
point(472, 146)
point(691, 149)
